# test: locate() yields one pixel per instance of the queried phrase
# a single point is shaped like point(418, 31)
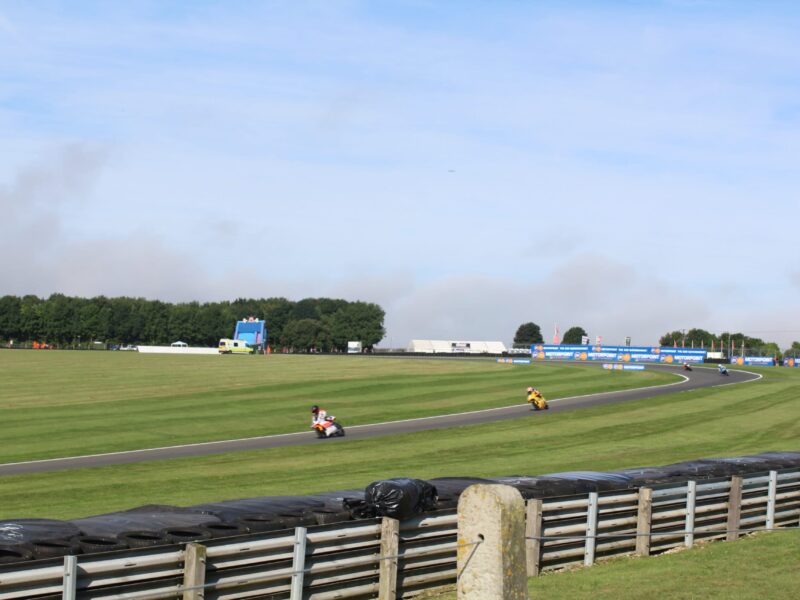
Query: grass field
point(752, 417)
point(754, 568)
point(56, 404)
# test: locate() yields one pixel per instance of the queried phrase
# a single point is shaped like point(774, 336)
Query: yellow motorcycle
point(537, 401)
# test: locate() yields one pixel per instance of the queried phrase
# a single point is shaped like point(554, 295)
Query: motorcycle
point(687, 367)
point(328, 428)
point(537, 402)
point(724, 371)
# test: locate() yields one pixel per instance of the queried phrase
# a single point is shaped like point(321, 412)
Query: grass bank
point(761, 566)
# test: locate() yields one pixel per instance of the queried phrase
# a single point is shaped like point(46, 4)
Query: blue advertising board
point(617, 353)
point(514, 361)
point(623, 367)
point(758, 361)
point(791, 362)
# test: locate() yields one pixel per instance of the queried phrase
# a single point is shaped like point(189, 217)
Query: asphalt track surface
point(700, 377)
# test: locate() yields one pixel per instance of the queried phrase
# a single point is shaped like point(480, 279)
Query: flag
point(556, 335)
point(674, 343)
point(712, 344)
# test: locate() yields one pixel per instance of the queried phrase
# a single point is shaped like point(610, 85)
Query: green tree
point(672, 338)
point(573, 335)
point(793, 350)
point(305, 309)
point(10, 307)
point(527, 334)
point(31, 318)
point(277, 313)
point(303, 334)
point(357, 322)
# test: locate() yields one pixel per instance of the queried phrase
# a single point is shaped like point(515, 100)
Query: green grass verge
point(725, 421)
point(762, 566)
point(59, 403)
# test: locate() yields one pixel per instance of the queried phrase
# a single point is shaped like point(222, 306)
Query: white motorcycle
point(328, 428)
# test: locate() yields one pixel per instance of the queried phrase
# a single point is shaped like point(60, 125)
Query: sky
point(629, 167)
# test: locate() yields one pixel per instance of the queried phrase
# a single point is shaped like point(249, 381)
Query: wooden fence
point(387, 559)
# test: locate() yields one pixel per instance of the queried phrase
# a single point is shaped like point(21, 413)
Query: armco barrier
point(387, 559)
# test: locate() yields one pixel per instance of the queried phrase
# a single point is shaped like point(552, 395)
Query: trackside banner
point(791, 362)
point(759, 361)
point(618, 353)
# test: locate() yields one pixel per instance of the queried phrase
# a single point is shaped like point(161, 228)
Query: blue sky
point(629, 167)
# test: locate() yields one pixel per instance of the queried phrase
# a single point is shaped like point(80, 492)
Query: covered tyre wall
point(51, 548)
point(323, 516)
point(89, 544)
point(14, 553)
point(15, 531)
point(779, 460)
point(650, 475)
point(179, 535)
point(278, 506)
point(449, 489)
point(145, 518)
point(542, 487)
point(259, 523)
point(142, 539)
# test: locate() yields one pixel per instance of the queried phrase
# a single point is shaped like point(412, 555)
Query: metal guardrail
point(387, 559)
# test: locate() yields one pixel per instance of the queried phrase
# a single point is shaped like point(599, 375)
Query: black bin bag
point(399, 498)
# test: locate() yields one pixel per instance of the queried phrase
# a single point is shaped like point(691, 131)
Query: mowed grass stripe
point(221, 398)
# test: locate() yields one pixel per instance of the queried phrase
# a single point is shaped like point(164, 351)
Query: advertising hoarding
point(617, 353)
point(758, 361)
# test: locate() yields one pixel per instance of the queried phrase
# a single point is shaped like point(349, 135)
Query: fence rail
point(387, 559)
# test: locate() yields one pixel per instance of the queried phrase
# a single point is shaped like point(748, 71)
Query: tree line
point(725, 342)
point(530, 333)
point(324, 324)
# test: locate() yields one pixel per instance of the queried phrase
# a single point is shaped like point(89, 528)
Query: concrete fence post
point(390, 547)
point(533, 534)
point(194, 571)
point(591, 530)
point(734, 508)
point(644, 519)
point(772, 492)
point(691, 503)
point(491, 544)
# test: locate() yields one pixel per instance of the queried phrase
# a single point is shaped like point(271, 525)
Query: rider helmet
point(315, 409)
point(530, 389)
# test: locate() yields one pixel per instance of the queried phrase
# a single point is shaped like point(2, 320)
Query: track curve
point(700, 377)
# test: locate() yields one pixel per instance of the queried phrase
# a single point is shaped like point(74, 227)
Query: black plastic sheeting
point(399, 498)
point(28, 530)
point(26, 539)
point(154, 518)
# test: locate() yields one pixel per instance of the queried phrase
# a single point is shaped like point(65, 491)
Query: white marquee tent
point(455, 347)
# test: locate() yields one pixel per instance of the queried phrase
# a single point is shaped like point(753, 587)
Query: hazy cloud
point(609, 166)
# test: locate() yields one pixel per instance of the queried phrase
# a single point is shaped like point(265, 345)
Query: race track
point(698, 378)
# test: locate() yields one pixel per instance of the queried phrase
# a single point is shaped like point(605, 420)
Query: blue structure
point(252, 331)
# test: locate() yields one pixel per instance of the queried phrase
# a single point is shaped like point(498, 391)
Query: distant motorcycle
point(537, 402)
point(328, 428)
point(687, 367)
point(723, 371)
